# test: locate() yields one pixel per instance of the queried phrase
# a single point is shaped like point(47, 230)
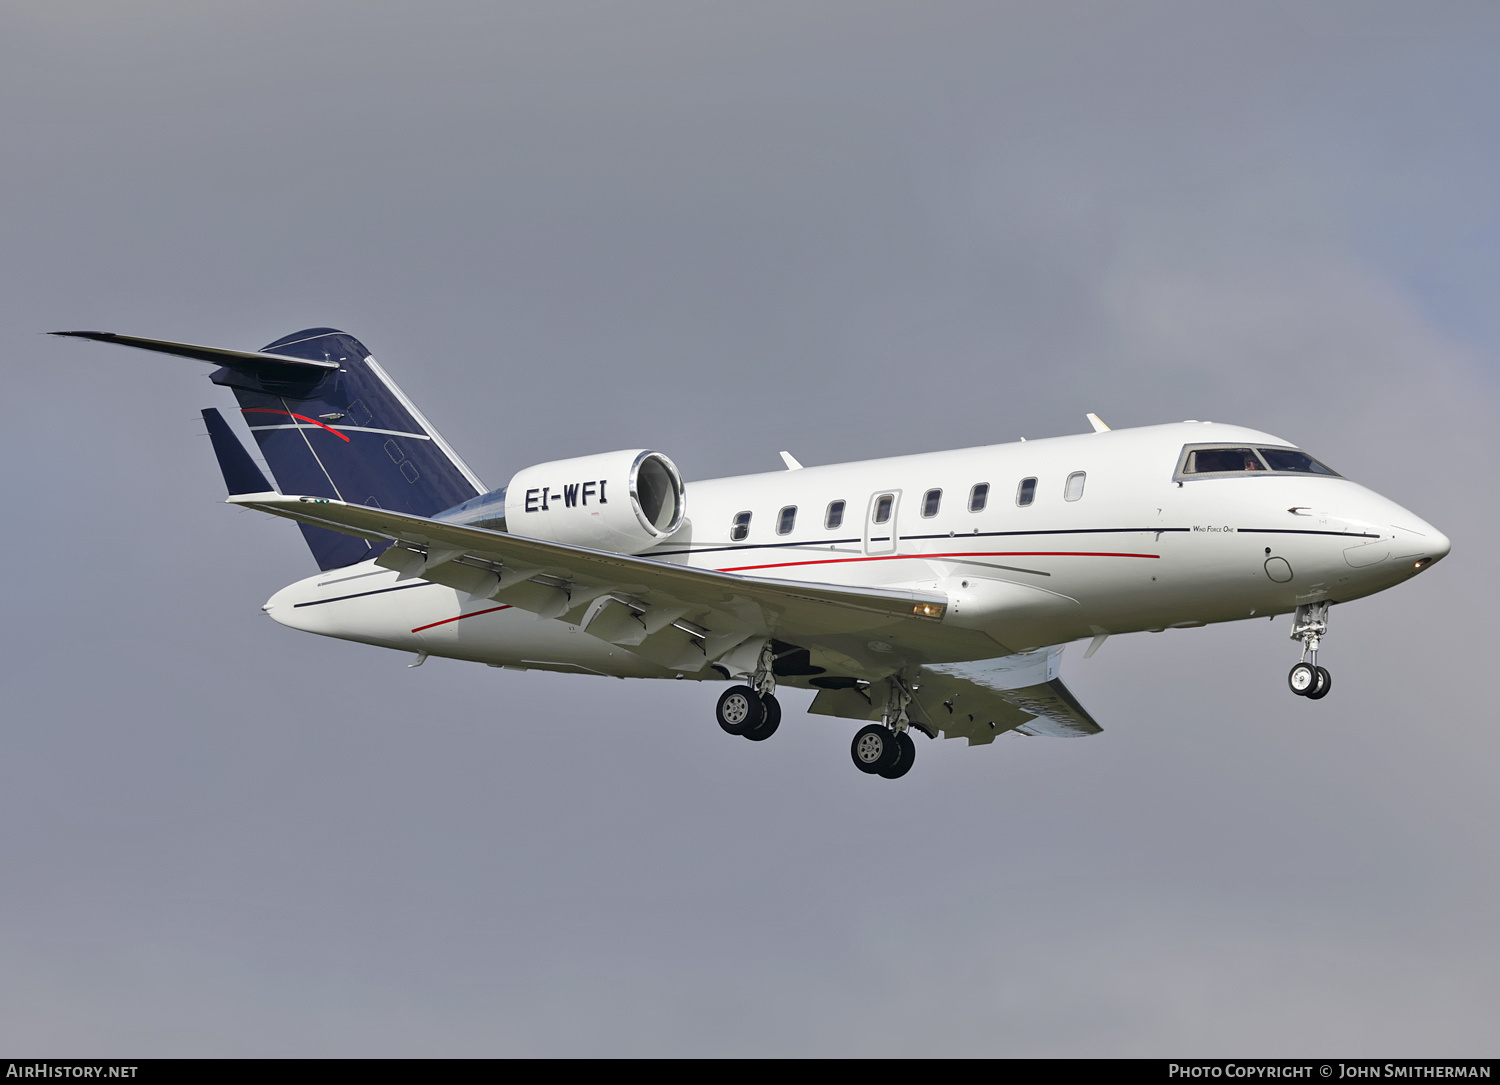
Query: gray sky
point(721, 230)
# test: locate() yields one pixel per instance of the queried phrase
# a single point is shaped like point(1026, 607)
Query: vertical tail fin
point(349, 433)
point(330, 423)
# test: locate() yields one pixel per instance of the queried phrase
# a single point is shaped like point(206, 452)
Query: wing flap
point(980, 700)
point(961, 708)
point(1058, 713)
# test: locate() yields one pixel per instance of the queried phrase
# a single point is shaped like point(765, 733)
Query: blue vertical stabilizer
point(330, 423)
point(347, 433)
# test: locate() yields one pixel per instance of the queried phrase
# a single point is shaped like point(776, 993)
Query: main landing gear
point(880, 751)
point(1310, 626)
point(885, 748)
point(752, 711)
point(744, 712)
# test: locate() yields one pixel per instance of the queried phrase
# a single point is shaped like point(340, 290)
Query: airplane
point(928, 593)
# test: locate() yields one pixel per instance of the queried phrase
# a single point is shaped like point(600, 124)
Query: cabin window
point(787, 520)
point(1074, 488)
point(1026, 492)
point(835, 515)
point(741, 529)
point(979, 496)
point(883, 505)
point(930, 502)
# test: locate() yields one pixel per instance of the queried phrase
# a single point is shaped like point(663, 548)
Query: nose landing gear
point(1307, 679)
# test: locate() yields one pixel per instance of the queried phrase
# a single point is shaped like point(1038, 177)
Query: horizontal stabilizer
point(254, 361)
point(241, 475)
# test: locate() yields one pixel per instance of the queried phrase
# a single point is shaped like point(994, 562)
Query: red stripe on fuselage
point(299, 417)
point(460, 617)
point(929, 557)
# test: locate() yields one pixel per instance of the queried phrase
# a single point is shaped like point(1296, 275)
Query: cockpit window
point(1220, 461)
point(1290, 459)
point(1215, 461)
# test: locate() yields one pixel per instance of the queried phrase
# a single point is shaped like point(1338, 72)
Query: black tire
point(906, 754)
point(1302, 679)
point(874, 747)
point(770, 720)
point(1325, 683)
point(739, 710)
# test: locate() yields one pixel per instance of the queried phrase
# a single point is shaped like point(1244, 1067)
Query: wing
point(981, 699)
point(680, 617)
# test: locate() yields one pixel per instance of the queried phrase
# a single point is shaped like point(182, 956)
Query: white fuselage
point(1135, 550)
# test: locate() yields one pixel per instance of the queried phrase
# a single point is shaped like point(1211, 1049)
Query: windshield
point(1231, 460)
point(1290, 459)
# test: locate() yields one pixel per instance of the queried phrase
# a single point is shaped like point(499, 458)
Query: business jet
point(930, 593)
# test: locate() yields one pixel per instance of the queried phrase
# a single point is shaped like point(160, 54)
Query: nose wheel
point(1307, 679)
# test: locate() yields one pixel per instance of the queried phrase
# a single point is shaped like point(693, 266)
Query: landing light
point(1423, 563)
point(928, 610)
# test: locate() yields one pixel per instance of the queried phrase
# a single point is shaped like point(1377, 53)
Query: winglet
point(241, 475)
point(1097, 423)
point(790, 461)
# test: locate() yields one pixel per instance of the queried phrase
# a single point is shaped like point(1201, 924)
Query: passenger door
point(881, 535)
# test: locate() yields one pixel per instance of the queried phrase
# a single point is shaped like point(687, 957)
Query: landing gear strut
point(1310, 626)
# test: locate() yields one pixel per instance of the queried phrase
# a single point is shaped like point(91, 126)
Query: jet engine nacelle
point(624, 502)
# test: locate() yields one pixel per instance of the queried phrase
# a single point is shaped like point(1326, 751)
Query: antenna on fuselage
point(1097, 423)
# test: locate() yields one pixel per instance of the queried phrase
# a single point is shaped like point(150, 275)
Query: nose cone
point(1419, 543)
point(1435, 545)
